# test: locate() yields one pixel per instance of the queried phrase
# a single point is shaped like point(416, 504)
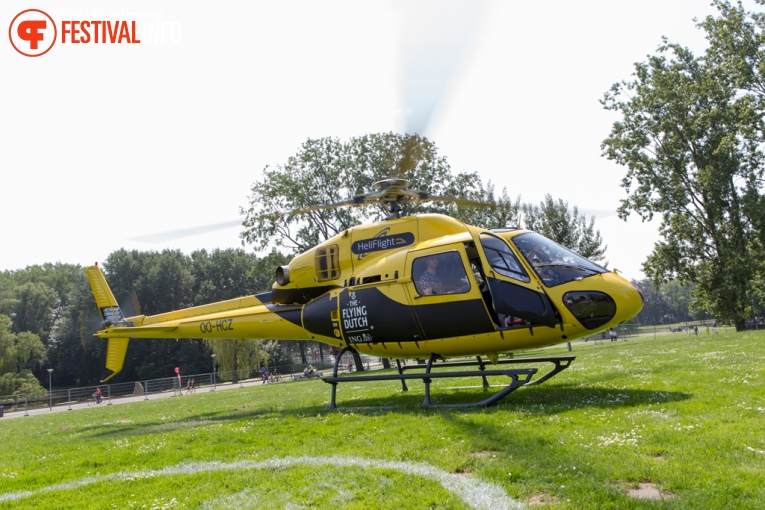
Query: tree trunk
point(303, 359)
point(357, 360)
point(235, 366)
point(386, 362)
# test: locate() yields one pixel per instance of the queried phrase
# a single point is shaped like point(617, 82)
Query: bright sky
point(103, 143)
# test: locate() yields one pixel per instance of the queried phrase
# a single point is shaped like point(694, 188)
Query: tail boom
point(262, 321)
point(245, 317)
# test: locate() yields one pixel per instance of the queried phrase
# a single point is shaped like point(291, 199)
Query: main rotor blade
point(186, 232)
point(435, 39)
point(424, 197)
point(355, 201)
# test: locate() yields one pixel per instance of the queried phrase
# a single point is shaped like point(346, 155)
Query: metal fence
point(146, 388)
point(71, 396)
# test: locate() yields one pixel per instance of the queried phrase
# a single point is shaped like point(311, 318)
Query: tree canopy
point(48, 315)
point(690, 137)
point(566, 226)
point(19, 353)
point(327, 171)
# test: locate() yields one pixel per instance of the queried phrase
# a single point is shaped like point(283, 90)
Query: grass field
point(677, 417)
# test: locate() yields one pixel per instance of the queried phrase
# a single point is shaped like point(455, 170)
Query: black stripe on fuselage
point(456, 318)
point(369, 314)
point(299, 296)
point(291, 313)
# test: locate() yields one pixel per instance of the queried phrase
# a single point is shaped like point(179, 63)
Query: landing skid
point(519, 376)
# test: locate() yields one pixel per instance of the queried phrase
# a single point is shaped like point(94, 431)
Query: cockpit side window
point(502, 259)
point(442, 273)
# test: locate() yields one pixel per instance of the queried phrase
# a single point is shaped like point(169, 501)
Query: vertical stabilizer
point(107, 304)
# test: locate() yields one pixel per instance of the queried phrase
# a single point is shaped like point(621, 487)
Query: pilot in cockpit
point(536, 255)
point(442, 274)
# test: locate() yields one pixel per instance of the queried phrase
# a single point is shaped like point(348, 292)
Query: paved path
point(126, 400)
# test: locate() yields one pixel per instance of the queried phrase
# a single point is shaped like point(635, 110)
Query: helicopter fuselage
point(412, 287)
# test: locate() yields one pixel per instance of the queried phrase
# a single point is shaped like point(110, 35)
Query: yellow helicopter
point(426, 286)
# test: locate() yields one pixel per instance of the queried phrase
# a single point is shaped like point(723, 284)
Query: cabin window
point(442, 273)
point(502, 259)
point(327, 263)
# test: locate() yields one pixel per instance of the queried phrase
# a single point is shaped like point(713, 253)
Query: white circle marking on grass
point(474, 492)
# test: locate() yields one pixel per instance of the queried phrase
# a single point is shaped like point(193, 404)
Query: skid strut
point(519, 376)
point(560, 363)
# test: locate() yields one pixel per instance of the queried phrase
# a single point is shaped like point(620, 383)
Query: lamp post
point(50, 388)
point(213, 358)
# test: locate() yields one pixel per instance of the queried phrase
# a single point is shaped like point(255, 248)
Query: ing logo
point(32, 33)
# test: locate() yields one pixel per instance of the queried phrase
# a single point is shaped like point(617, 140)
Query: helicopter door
point(512, 291)
point(446, 300)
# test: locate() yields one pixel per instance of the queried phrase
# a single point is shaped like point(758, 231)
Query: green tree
point(21, 383)
point(737, 39)
point(278, 356)
point(73, 352)
point(654, 310)
point(8, 300)
point(150, 283)
point(263, 270)
point(227, 274)
point(19, 352)
point(222, 274)
point(690, 143)
point(35, 306)
point(554, 220)
point(327, 171)
point(501, 211)
point(235, 358)
point(35, 298)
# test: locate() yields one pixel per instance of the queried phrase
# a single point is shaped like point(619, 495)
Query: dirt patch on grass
point(543, 499)
point(648, 491)
point(483, 454)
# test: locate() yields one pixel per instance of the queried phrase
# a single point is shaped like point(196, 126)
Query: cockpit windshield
point(553, 263)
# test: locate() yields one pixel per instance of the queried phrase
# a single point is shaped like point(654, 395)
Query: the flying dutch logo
point(33, 32)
